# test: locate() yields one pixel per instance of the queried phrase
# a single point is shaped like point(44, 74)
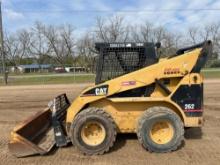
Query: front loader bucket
point(36, 134)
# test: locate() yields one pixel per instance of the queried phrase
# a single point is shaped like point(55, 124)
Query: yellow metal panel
point(145, 76)
point(126, 113)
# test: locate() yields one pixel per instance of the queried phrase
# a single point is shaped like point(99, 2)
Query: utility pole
point(5, 76)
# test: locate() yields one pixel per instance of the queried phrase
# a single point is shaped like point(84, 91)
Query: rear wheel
point(93, 131)
point(160, 130)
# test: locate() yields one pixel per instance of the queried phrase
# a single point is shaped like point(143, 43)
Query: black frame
point(117, 59)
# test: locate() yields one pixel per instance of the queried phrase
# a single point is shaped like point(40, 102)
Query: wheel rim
point(162, 132)
point(93, 133)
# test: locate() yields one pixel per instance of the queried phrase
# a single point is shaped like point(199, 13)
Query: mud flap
point(40, 132)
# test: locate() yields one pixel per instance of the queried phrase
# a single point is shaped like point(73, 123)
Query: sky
point(175, 15)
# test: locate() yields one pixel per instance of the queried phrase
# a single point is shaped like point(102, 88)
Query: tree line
point(61, 45)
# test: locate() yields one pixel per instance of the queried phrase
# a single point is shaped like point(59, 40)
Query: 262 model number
point(189, 106)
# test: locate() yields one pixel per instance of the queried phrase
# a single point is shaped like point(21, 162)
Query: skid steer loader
point(134, 92)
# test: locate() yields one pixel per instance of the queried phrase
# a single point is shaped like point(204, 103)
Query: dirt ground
point(202, 146)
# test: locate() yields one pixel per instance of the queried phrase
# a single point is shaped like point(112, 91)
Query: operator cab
point(117, 59)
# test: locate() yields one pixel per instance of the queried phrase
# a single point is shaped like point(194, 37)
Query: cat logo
point(97, 91)
point(101, 91)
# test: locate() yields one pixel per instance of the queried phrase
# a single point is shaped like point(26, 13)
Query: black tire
point(146, 122)
point(94, 115)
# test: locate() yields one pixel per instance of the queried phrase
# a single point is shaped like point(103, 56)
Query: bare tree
point(193, 34)
point(147, 32)
point(212, 32)
point(58, 44)
point(142, 33)
point(101, 30)
point(159, 34)
point(134, 33)
point(111, 30)
point(39, 46)
point(61, 42)
point(151, 33)
point(86, 52)
point(170, 43)
point(11, 48)
point(17, 46)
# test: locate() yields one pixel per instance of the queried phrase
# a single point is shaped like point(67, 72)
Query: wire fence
point(48, 78)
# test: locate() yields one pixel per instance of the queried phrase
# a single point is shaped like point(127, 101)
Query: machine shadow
point(121, 140)
point(190, 133)
point(193, 133)
point(119, 143)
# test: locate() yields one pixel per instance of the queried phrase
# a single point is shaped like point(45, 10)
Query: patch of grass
point(29, 74)
point(211, 73)
point(34, 79)
point(50, 80)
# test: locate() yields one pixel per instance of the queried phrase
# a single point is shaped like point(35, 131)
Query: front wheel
point(160, 130)
point(93, 131)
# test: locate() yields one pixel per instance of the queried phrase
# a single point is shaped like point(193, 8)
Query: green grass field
point(211, 73)
point(32, 80)
point(35, 79)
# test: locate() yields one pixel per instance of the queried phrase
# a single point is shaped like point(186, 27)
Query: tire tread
point(97, 111)
point(150, 113)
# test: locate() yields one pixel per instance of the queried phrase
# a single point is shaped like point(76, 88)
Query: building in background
point(76, 69)
point(32, 68)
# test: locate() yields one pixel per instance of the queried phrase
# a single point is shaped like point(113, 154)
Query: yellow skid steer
point(134, 92)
